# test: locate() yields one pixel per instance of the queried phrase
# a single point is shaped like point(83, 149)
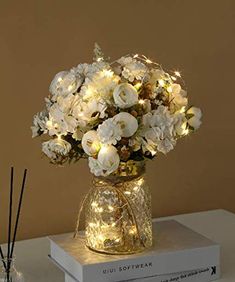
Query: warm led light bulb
point(177, 73)
point(94, 204)
point(138, 85)
point(70, 87)
point(169, 89)
point(108, 73)
point(111, 208)
point(135, 188)
point(140, 181)
point(148, 61)
point(161, 82)
point(141, 101)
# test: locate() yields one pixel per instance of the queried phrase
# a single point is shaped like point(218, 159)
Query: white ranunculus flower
point(125, 95)
point(90, 143)
point(127, 122)
point(108, 159)
point(109, 132)
point(195, 120)
point(56, 147)
point(64, 83)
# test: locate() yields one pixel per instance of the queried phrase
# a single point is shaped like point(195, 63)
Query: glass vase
point(118, 212)
point(9, 273)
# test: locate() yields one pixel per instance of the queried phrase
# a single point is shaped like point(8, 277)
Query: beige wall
point(40, 38)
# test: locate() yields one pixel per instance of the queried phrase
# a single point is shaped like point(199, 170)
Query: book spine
point(206, 274)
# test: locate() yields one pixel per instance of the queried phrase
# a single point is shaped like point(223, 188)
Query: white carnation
point(39, 123)
point(95, 167)
point(55, 148)
point(159, 139)
point(158, 118)
point(158, 131)
point(109, 132)
point(60, 119)
point(125, 95)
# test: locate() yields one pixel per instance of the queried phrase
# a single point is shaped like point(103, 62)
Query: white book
point(206, 274)
point(176, 249)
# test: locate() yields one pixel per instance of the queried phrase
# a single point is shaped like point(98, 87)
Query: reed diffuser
point(8, 272)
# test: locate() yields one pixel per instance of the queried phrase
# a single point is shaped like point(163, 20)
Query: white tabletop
point(218, 225)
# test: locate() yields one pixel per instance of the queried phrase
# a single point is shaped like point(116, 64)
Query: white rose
point(108, 159)
point(195, 120)
point(125, 95)
point(56, 147)
point(64, 83)
point(128, 123)
point(91, 143)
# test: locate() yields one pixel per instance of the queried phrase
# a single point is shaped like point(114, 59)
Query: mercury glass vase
point(118, 212)
point(9, 273)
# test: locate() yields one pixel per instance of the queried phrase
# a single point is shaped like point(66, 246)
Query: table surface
point(218, 225)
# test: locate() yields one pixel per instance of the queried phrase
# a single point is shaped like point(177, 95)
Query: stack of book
point(179, 254)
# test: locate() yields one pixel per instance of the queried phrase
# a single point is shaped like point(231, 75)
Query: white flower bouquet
point(114, 112)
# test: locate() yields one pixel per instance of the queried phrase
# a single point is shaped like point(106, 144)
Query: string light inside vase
point(104, 234)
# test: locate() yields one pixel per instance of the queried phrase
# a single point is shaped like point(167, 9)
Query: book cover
point(176, 249)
